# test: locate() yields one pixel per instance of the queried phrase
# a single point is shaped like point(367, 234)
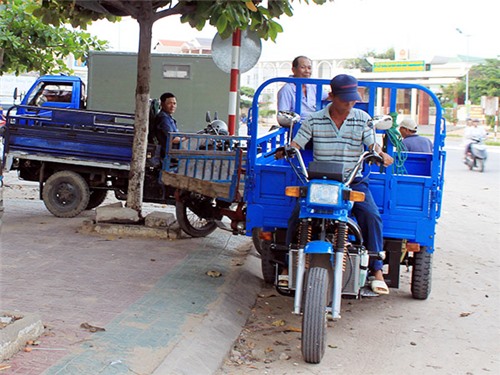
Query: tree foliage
point(364, 65)
point(484, 80)
point(226, 16)
point(29, 44)
point(246, 96)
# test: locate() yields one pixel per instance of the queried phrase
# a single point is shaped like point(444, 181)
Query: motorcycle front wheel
point(314, 315)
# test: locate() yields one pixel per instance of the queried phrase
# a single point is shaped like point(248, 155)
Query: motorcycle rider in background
point(473, 130)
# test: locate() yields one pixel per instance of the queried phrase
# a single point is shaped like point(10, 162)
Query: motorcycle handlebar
point(290, 152)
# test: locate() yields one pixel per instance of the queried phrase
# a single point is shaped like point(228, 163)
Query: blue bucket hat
point(345, 87)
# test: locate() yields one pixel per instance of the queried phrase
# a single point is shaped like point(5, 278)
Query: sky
point(350, 28)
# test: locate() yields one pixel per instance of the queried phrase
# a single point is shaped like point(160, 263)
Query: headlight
point(324, 194)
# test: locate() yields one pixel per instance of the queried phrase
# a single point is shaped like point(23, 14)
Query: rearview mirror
point(383, 122)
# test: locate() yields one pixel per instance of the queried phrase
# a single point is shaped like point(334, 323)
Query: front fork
point(304, 237)
point(338, 266)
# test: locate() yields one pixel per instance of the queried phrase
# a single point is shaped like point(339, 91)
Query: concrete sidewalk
point(162, 313)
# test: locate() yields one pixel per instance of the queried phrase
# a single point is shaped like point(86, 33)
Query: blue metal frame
point(410, 203)
point(70, 133)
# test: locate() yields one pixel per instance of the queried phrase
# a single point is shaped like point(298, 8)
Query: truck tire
point(267, 267)
point(257, 241)
point(66, 194)
point(421, 276)
point(191, 223)
point(97, 196)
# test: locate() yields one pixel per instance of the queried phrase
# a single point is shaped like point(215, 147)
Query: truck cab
point(55, 92)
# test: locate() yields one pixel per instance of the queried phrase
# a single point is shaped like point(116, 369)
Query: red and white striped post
point(233, 84)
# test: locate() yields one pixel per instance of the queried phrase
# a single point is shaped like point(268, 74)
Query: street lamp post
point(467, 104)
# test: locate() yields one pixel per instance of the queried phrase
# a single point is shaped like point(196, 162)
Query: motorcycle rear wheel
point(314, 315)
point(190, 222)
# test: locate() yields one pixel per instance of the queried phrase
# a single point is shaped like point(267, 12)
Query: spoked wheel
point(66, 194)
point(190, 222)
point(421, 275)
point(314, 318)
point(97, 196)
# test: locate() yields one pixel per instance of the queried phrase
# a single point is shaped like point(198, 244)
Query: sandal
point(379, 287)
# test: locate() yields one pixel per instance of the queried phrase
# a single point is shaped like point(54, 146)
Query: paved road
point(160, 309)
point(455, 331)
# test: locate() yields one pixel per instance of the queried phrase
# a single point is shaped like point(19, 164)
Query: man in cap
point(340, 133)
point(413, 141)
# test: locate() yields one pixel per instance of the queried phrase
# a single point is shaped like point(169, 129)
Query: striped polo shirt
point(343, 145)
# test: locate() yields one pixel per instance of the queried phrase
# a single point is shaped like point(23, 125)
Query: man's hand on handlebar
point(280, 152)
point(387, 159)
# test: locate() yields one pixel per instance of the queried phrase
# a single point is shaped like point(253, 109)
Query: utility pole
point(467, 104)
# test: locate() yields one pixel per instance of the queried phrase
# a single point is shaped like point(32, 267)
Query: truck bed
point(409, 198)
point(74, 136)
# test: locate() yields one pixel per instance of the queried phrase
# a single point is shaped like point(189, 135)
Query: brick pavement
point(147, 293)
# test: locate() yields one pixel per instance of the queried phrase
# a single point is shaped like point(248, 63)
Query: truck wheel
point(97, 196)
point(257, 241)
point(66, 194)
point(421, 275)
point(191, 223)
point(268, 268)
point(314, 315)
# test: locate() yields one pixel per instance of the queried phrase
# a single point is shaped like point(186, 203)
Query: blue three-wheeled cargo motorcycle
point(326, 259)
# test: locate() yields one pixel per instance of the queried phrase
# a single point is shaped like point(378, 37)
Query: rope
point(399, 147)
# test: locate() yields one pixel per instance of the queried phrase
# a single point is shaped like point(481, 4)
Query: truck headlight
point(324, 194)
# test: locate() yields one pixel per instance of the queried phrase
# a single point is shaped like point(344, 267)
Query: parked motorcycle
point(328, 258)
point(476, 154)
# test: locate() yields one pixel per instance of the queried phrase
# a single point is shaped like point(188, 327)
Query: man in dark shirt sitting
point(165, 123)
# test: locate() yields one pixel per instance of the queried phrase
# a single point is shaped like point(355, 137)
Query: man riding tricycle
point(339, 220)
point(336, 220)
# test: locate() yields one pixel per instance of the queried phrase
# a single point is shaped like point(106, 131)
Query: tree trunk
point(137, 165)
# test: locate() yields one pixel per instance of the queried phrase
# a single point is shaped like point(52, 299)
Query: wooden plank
point(207, 188)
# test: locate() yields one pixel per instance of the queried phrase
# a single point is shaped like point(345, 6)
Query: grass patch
point(493, 143)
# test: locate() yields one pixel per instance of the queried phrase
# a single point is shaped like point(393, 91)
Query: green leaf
point(221, 24)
